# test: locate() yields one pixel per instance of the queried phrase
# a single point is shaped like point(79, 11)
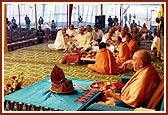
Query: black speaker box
point(100, 21)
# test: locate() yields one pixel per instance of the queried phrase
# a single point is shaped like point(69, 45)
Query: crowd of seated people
point(121, 41)
point(117, 48)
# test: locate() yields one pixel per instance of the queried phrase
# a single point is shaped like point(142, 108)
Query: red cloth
point(57, 75)
point(71, 58)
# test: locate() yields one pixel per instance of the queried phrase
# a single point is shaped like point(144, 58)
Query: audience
point(99, 33)
point(40, 35)
point(40, 21)
point(132, 44)
point(53, 30)
point(92, 35)
point(71, 31)
point(27, 21)
point(135, 34)
point(108, 35)
point(123, 50)
point(83, 40)
point(60, 41)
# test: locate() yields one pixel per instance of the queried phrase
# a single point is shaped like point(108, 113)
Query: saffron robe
point(105, 62)
point(123, 53)
point(138, 91)
point(133, 47)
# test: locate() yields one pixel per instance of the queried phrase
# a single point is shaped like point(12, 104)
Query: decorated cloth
point(123, 53)
point(105, 63)
point(140, 88)
point(40, 95)
point(72, 58)
point(59, 83)
point(133, 47)
point(57, 75)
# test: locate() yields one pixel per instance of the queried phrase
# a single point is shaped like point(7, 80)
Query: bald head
point(144, 56)
point(141, 59)
point(71, 26)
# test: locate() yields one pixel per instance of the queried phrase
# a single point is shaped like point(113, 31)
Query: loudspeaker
point(100, 21)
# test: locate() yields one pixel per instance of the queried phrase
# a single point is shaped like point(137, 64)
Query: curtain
point(58, 12)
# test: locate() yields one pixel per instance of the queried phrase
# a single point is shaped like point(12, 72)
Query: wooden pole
point(70, 13)
point(5, 32)
point(35, 15)
point(101, 9)
point(19, 15)
point(67, 16)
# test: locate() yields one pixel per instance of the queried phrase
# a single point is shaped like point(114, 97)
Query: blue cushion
point(162, 105)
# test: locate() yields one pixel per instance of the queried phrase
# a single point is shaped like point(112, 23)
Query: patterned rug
point(36, 62)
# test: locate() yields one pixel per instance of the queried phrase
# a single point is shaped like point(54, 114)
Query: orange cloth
point(105, 62)
point(123, 54)
point(133, 47)
point(140, 88)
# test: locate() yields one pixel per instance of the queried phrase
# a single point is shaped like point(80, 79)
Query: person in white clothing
point(92, 35)
point(71, 31)
point(99, 33)
point(155, 45)
point(60, 41)
point(83, 40)
point(108, 35)
point(108, 39)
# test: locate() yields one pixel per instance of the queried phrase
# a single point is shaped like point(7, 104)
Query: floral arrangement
point(15, 83)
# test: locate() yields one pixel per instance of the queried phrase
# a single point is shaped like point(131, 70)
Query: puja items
point(89, 55)
point(15, 83)
point(105, 87)
point(59, 83)
point(102, 86)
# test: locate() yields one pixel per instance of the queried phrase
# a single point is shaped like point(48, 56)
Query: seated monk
point(105, 61)
point(59, 83)
point(123, 50)
point(132, 44)
point(138, 91)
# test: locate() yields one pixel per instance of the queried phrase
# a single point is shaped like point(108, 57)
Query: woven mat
point(36, 62)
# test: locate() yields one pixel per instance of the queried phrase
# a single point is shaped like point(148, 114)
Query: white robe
point(72, 32)
point(83, 41)
point(155, 42)
point(59, 42)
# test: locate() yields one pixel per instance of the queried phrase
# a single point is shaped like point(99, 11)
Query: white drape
point(58, 12)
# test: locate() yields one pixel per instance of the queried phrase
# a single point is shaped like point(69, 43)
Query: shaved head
point(144, 56)
point(141, 59)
